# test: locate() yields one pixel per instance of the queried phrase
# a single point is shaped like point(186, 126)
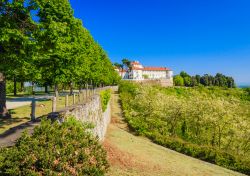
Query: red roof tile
point(136, 68)
point(156, 69)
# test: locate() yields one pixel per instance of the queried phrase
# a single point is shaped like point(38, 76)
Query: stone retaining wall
point(91, 111)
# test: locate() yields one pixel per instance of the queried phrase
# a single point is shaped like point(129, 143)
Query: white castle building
point(138, 72)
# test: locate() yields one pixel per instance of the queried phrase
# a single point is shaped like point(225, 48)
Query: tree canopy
point(42, 42)
point(220, 80)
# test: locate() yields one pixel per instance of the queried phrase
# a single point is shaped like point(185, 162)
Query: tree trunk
point(46, 88)
point(22, 86)
point(33, 91)
point(56, 90)
point(15, 89)
point(3, 109)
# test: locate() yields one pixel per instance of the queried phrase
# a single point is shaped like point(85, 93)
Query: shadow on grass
point(18, 130)
point(4, 123)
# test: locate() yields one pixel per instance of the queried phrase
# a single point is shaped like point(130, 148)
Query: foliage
point(219, 80)
point(195, 121)
point(145, 76)
point(44, 38)
point(126, 62)
point(75, 152)
point(10, 87)
point(178, 80)
point(105, 97)
point(42, 42)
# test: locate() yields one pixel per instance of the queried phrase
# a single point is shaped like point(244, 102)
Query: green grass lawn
point(22, 114)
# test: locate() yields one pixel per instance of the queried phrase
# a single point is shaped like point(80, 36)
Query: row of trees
point(220, 80)
point(42, 42)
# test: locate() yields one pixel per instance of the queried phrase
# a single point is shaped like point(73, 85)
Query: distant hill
point(244, 85)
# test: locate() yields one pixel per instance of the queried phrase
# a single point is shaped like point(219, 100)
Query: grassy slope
point(133, 155)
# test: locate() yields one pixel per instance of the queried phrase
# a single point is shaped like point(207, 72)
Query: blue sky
point(198, 36)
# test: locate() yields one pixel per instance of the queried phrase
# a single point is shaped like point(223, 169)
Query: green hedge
point(54, 149)
point(105, 97)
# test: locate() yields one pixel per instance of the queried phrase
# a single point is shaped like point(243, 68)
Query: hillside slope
point(132, 155)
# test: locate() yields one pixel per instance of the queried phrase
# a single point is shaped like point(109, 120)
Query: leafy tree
point(198, 79)
point(187, 81)
point(178, 80)
point(126, 62)
point(219, 80)
point(205, 80)
point(16, 41)
point(55, 39)
point(230, 82)
point(184, 74)
point(55, 49)
point(194, 81)
point(117, 65)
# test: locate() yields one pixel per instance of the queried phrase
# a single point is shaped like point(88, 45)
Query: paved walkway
point(13, 103)
point(9, 137)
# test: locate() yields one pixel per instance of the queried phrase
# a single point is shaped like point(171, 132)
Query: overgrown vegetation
point(55, 149)
point(105, 97)
point(212, 124)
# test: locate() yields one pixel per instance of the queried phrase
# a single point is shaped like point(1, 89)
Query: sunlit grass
point(43, 107)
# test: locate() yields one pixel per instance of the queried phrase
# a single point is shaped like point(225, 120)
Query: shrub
point(160, 114)
point(105, 97)
point(54, 149)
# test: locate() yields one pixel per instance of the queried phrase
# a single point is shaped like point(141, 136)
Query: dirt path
point(136, 156)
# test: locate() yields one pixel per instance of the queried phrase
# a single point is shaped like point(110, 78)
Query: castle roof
point(156, 69)
point(152, 68)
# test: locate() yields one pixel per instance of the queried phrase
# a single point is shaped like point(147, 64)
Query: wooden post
point(82, 96)
point(79, 98)
point(91, 88)
point(67, 101)
point(33, 110)
point(87, 91)
point(54, 104)
point(74, 99)
point(85, 95)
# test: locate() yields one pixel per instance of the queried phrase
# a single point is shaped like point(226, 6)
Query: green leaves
point(75, 152)
point(55, 48)
point(195, 121)
point(105, 97)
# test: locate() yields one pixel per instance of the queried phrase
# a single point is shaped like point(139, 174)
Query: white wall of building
point(155, 74)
